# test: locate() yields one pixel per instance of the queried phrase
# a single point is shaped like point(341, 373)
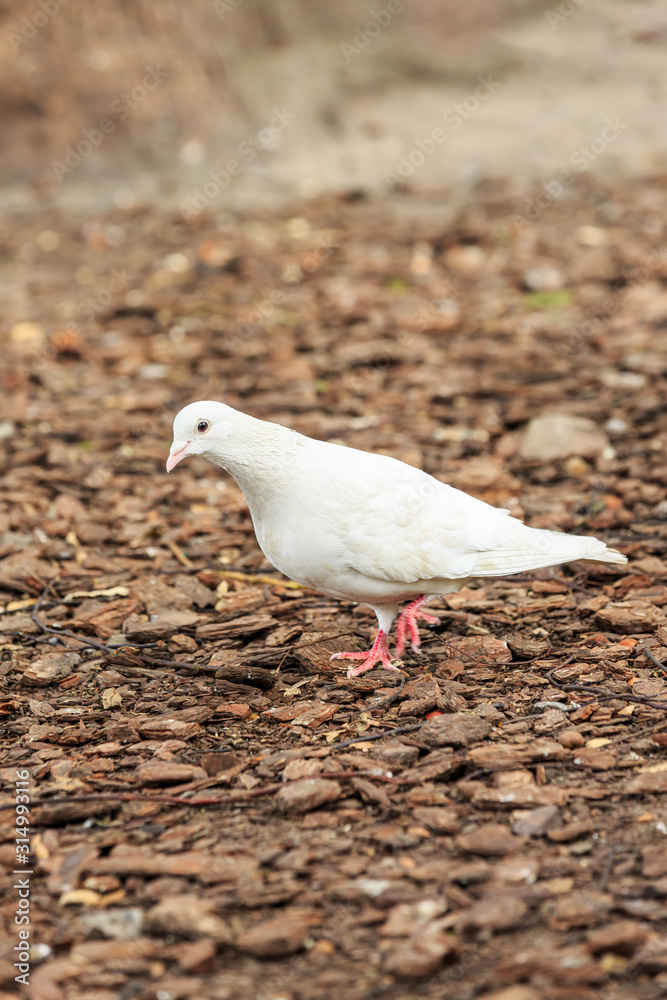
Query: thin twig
point(607, 868)
point(232, 799)
point(232, 574)
point(383, 702)
point(601, 695)
point(149, 660)
point(378, 736)
point(654, 660)
point(84, 640)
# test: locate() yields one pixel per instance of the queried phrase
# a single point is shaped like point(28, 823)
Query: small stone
point(628, 617)
point(570, 739)
point(544, 278)
point(181, 643)
point(307, 794)
point(576, 466)
point(122, 924)
point(438, 818)
point(162, 627)
point(536, 822)
point(397, 754)
point(196, 956)
point(647, 782)
point(50, 668)
point(572, 831)
point(299, 767)
point(187, 915)
point(490, 839)
point(580, 909)
point(238, 709)
point(274, 938)
point(405, 919)
point(27, 336)
point(168, 728)
point(513, 993)
point(478, 648)
point(553, 436)
point(419, 956)
point(457, 729)
point(621, 936)
point(167, 772)
point(517, 869)
point(495, 911)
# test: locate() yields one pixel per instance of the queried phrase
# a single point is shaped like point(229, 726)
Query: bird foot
point(406, 626)
point(378, 654)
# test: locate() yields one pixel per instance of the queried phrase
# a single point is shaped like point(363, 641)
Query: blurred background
point(358, 83)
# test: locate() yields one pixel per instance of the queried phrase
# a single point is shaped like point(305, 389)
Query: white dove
point(363, 527)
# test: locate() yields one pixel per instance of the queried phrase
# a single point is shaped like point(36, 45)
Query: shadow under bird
point(363, 527)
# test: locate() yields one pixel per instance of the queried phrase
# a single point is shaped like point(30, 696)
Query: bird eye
point(203, 426)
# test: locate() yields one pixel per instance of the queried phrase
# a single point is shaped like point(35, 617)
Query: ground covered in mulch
point(216, 811)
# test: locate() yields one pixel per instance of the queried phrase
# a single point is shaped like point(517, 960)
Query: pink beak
point(176, 453)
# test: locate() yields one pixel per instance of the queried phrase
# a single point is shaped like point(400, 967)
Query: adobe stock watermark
point(200, 197)
point(120, 108)
point(224, 7)
point(580, 159)
point(23, 871)
point(86, 312)
point(266, 309)
point(454, 117)
point(562, 12)
point(31, 24)
point(428, 316)
point(580, 335)
point(376, 23)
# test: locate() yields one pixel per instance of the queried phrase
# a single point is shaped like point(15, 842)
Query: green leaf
point(557, 298)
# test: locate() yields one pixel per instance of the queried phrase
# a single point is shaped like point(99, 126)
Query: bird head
point(198, 429)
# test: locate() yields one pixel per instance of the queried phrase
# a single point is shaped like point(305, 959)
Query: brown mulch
point(217, 812)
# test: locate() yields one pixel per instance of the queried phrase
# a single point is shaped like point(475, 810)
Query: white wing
point(398, 524)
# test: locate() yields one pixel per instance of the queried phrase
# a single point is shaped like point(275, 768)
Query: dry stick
point(383, 702)
point(232, 799)
point(151, 660)
point(232, 574)
point(649, 655)
point(378, 736)
point(84, 640)
point(205, 668)
point(601, 695)
point(655, 727)
point(606, 872)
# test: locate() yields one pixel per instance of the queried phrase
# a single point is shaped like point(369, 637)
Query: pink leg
point(406, 626)
point(379, 653)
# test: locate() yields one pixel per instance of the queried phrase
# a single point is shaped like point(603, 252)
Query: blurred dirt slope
point(361, 90)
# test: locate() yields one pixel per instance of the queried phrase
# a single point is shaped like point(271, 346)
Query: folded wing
point(417, 528)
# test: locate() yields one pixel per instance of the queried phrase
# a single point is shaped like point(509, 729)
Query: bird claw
point(363, 667)
point(378, 654)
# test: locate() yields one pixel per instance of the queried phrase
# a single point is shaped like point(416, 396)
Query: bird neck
point(258, 455)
